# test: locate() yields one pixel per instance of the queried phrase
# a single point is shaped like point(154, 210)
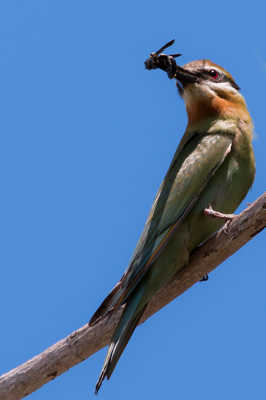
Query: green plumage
point(212, 168)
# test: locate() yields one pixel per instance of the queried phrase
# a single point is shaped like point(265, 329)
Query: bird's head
point(210, 92)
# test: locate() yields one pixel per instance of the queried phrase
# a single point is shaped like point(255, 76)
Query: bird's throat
point(216, 107)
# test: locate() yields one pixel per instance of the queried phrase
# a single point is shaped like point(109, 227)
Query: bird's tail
point(126, 326)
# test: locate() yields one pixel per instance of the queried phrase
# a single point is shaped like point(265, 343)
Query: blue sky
point(86, 137)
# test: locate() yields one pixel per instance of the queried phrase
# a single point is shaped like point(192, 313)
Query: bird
point(212, 169)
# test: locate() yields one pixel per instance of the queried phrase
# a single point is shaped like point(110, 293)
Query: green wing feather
point(190, 171)
point(193, 164)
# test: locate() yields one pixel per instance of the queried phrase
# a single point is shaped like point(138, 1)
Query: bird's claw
point(217, 214)
point(226, 227)
point(204, 278)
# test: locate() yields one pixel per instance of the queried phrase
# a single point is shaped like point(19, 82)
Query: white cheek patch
point(195, 92)
point(222, 86)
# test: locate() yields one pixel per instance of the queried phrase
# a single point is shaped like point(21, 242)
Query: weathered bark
point(85, 341)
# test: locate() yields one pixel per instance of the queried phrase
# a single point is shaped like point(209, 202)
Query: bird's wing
point(194, 163)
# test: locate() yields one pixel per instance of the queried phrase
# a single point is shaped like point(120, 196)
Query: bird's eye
point(214, 74)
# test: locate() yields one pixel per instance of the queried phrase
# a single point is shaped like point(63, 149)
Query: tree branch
point(85, 341)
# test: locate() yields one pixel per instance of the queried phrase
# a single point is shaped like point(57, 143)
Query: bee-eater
point(213, 168)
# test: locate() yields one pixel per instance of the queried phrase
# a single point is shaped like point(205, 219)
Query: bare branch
point(82, 343)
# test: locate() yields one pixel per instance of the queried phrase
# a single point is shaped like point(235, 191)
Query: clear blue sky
point(86, 137)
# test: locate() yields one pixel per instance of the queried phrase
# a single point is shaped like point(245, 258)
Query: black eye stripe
point(235, 85)
point(210, 73)
point(206, 74)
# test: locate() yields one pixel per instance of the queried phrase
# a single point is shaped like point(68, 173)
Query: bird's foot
point(217, 214)
point(163, 61)
point(226, 227)
point(204, 278)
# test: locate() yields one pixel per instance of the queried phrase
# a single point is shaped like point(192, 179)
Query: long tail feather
point(123, 332)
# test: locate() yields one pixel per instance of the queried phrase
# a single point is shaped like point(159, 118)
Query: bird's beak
point(184, 76)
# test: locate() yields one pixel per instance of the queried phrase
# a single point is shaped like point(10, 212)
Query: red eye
point(214, 74)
